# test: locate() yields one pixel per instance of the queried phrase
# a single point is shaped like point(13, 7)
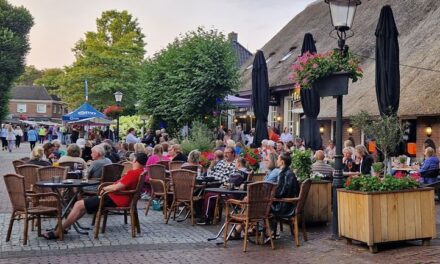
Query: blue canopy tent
point(238, 101)
point(85, 111)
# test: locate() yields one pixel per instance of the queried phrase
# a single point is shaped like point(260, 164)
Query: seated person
point(429, 166)
point(347, 160)
point(175, 153)
point(37, 157)
point(57, 152)
point(287, 187)
point(241, 174)
point(49, 148)
point(320, 166)
point(193, 159)
point(363, 160)
point(218, 156)
point(110, 153)
point(272, 170)
point(73, 155)
point(99, 160)
point(91, 205)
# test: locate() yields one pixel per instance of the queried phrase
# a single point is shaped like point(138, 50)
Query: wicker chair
point(30, 173)
point(165, 163)
point(127, 167)
point(15, 185)
point(183, 182)
point(176, 165)
point(17, 163)
point(254, 209)
point(191, 167)
point(159, 186)
point(70, 165)
point(111, 172)
point(46, 174)
point(25, 159)
point(132, 208)
point(293, 220)
point(256, 177)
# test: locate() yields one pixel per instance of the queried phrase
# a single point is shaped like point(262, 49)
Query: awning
point(238, 101)
point(92, 121)
point(83, 112)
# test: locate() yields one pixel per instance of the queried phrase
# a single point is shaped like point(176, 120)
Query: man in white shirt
point(131, 136)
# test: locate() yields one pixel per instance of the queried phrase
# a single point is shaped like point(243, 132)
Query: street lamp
point(342, 14)
point(118, 97)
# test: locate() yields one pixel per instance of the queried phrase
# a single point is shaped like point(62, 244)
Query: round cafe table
point(73, 187)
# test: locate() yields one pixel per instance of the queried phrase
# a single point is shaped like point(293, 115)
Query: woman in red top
point(90, 205)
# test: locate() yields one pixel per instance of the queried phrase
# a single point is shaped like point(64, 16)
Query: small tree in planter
point(302, 164)
point(377, 168)
point(385, 129)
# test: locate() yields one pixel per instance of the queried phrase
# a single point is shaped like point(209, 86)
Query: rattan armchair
point(176, 165)
point(30, 174)
point(127, 167)
point(111, 172)
point(21, 208)
point(183, 182)
point(46, 174)
point(159, 187)
point(298, 216)
point(70, 165)
point(255, 208)
point(17, 163)
point(132, 208)
point(165, 163)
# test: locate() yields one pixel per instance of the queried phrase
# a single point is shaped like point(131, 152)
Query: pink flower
point(297, 86)
point(314, 66)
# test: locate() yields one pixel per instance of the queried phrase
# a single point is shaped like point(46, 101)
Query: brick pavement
point(183, 243)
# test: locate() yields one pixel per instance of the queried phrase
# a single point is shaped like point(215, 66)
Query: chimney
point(233, 36)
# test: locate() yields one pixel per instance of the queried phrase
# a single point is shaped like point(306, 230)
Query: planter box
point(377, 217)
point(332, 85)
point(319, 201)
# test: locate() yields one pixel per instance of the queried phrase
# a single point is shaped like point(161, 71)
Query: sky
point(59, 24)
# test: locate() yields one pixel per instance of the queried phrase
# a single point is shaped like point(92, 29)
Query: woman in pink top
point(155, 158)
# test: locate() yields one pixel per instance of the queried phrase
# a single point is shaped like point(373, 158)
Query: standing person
point(49, 133)
point(18, 135)
point(131, 136)
point(330, 150)
point(41, 134)
point(238, 135)
point(3, 137)
point(286, 136)
point(75, 135)
point(10, 137)
point(32, 137)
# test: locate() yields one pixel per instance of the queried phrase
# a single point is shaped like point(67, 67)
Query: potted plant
point(328, 72)
point(376, 210)
point(402, 160)
point(253, 158)
point(377, 168)
point(113, 111)
point(318, 205)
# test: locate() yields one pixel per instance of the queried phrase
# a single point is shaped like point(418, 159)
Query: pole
point(117, 124)
point(338, 179)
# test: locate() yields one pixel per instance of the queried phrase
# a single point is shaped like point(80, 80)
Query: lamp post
point(342, 14)
point(118, 97)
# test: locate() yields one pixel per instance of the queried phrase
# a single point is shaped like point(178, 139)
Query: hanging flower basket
point(113, 111)
point(328, 72)
point(333, 85)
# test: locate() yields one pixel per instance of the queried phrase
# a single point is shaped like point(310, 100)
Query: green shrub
point(200, 137)
point(302, 164)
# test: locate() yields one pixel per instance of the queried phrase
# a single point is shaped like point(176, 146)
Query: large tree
point(15, 23)
point(29, 76)
point(109, 59)
point(51, 79)
point(184, 81)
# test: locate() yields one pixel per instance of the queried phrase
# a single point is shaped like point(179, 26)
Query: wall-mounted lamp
point(428, 131)
point(350, 130)
point(321, 129)
point(278, 118)
point(236, 120)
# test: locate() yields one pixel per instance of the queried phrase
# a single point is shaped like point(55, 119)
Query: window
point(21, 108)
point(41, 108)
point(288, 54)
point(289, 116)
point(55, 109)
point(273, 112)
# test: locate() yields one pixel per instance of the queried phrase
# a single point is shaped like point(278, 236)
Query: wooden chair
point(46, 174)
point(70, 165)
point(30, 174)
point(183, 182)
point(176, 165)
point(165, 163)
point(256, 177)
point(17, 163)
point(21, 208)
point(127, 167)
point(25, 159)
point(132, 208)
point(293, 220)
point(254, 209)
point(159, 187)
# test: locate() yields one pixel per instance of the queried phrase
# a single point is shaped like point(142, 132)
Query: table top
point(63, 184)
point(350, 173)
point(403, 169)
point(225, 191)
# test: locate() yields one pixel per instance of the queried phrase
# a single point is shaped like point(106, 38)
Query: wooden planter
point(332, 85)
point(377, 217)
point(319, 201)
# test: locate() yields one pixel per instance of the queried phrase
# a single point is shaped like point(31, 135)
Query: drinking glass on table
point(349, 165)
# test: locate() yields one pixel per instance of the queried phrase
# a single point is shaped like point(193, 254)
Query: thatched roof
point(419, 40)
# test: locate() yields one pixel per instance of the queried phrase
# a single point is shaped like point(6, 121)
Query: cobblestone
point(183, 243)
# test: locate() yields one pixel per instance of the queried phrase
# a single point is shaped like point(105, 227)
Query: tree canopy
point(109, 59)
point(184, 81)
point(29, 76)
point(15, 24)
point(52, 79)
